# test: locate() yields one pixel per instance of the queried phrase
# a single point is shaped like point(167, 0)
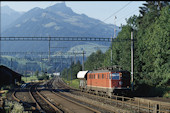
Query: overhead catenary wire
point(110, 15)
point(117, 11)
point(127, 15)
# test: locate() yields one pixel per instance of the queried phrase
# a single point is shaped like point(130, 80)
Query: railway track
point(41, 105)
point(55, 96)
point(65, 103)
point(68, 93)
point(22, 95)
point(131, 104)
point(47, 102)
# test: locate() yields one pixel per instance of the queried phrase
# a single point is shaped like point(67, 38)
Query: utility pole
point(111, 51)
point(41, 63)
point(26, 72)
point(112, 39)
point(41, 66)
point(83, 61)
point(61, 62)
point(11, 63)
point(74, 58)
point(56, 64)
point(132, 63)
point(61, 53)
point(71, 70)
point(67, 69)
point(49, 48)
point(115, 28)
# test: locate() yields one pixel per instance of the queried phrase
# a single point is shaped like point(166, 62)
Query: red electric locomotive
point(105, 81)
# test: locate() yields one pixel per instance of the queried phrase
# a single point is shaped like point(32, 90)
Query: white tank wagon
point(82, 76)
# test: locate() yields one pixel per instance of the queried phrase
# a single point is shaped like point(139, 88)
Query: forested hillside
point(151, 31)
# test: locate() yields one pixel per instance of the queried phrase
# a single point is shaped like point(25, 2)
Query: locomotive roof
point(114, 68)
point(101, 71)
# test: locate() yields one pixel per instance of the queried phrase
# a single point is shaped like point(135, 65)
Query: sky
point(102, 10)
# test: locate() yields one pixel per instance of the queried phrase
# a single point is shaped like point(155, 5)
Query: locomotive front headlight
point(120, 74)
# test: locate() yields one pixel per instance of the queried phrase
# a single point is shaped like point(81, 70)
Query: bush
point(43, 77)
point(14, 107)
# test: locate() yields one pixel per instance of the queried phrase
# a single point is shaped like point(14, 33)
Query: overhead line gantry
point(62, 39)
point(41, 53)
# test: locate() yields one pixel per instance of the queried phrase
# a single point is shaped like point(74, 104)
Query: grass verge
point(74, 83)
point(29, 79)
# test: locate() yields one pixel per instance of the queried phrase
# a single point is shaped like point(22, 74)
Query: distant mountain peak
point(8, 16)
point(57, 6)
point(5, 6)
point(6, 9)
point(60, 7)
point(35, 9)
point(62, 4)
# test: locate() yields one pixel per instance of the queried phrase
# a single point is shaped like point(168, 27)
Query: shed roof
point(81, 74)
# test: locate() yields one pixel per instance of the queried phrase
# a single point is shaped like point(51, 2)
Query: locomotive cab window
point(115, 76)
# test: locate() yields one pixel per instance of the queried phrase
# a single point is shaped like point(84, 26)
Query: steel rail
point(93, 104)
point(133, 102)
point(37, 105)
point(20, 101)
point(95, 111)
point(47, 101)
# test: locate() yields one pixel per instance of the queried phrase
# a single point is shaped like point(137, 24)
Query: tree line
point(151, 30)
